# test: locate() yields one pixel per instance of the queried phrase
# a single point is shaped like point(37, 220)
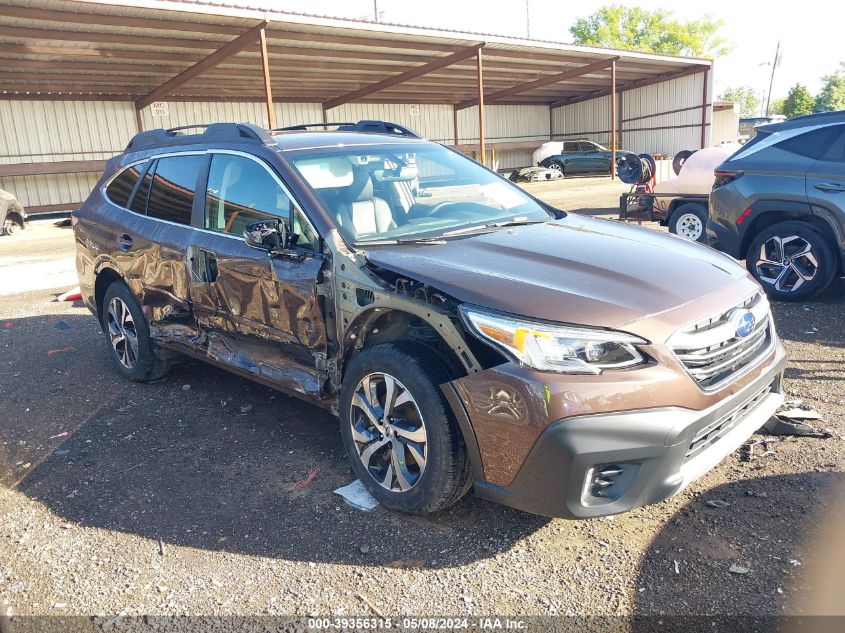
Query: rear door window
point(121, 187)
point(173, 186)
point(570, 146)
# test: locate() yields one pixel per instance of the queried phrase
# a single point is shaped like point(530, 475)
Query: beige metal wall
point(726, 125)
point(591, 119)
point(503, 124)
point(36, 131)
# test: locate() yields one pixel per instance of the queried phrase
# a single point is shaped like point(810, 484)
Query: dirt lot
point(187, 497)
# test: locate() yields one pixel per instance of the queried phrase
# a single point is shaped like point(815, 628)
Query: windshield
point(394, 192)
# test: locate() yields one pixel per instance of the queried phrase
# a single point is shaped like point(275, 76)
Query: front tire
point(792, 260)
point(689, 221)
point(398, 430)
point(128, 336)
point(557, 166)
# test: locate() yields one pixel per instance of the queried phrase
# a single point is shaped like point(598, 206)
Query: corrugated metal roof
point(57, 49)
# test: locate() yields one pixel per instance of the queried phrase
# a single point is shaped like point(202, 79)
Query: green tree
point(749, 102)
point(799, 101)
point(832, 95)
point(776, 105)
point(638, 29)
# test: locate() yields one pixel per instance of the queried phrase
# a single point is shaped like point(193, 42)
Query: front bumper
point(659, 451)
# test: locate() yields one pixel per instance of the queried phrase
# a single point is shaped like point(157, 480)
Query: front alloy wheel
point(389, 432)
point(400, 434)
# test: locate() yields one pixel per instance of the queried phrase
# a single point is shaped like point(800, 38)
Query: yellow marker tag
point(548, 393)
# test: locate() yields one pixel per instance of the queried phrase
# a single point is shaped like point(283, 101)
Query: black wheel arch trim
point(457, 407)
point(797, 210)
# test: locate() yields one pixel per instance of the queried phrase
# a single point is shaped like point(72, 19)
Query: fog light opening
point(608, 482)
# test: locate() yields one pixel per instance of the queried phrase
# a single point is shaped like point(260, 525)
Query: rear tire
point(689, 221)
point(128, 336)
point(793, 261)
point(412, 458)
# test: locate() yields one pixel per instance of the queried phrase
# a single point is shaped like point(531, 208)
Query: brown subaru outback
point(465, 333)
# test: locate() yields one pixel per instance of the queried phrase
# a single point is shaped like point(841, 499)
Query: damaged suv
point(464, 332)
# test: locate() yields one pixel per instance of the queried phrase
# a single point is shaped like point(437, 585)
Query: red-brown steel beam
point(479, 67)
point(268, 88)
point(542, 81)
point(412, 73)
point(232, 48)
point(613, 119)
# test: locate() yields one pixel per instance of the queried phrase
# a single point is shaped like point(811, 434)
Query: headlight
point(558, 348)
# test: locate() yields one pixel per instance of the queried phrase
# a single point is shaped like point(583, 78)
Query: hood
point(575, 270)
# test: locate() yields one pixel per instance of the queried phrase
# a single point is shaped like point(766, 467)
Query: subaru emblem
point(743, 322)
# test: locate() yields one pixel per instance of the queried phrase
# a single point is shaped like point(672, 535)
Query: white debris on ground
point(356, 495)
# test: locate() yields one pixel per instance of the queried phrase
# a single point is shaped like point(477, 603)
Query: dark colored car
point(779, 204)
point(463, 331)
point(12, 214)
point(581, 158)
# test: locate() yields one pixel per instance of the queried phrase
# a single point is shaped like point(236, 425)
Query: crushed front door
point(261, 314)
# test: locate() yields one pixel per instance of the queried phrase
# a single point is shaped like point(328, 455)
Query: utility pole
point(772, 79)
point(375, 9)
point(527, 20)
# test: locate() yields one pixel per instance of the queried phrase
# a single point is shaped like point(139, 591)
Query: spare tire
point(680, 158)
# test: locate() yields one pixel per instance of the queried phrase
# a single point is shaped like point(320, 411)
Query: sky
point(812, 42)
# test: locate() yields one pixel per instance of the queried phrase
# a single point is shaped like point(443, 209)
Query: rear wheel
point(128, 335)
point(688, 221)
point(398, 431)
point(792, 261)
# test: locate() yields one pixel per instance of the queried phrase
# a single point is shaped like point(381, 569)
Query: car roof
point(821, 118)
point(295, 137)
point(297, 140)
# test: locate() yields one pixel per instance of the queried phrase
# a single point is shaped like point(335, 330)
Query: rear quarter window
point(813, 144)
point(121, 187)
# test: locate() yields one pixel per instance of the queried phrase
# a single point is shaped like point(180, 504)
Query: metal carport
point(137, 52)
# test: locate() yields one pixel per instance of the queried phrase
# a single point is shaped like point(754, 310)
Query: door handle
point(830, 187)
point(124, 242)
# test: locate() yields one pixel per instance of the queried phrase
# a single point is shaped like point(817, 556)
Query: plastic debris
point(738, 569)
point(7, 325)
point(62, 325)
point(62, 434)
point(792, 417)
point(246, 408)
point(718, 503)
point(73, 294)
point(356, 495)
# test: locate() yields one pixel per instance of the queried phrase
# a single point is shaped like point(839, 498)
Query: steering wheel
point(433, 210)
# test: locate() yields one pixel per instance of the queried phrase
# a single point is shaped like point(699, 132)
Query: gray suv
point(779, 203)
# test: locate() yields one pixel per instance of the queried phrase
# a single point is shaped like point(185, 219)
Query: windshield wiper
point(476, 229)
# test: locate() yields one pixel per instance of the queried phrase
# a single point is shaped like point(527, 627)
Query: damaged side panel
point(257, 314)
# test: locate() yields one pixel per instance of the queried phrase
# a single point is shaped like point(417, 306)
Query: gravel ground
point(192, 495)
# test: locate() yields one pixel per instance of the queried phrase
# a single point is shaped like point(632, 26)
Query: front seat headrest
point(360, 189)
